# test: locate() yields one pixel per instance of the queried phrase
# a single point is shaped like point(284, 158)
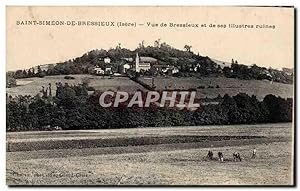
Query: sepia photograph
point(150, 96)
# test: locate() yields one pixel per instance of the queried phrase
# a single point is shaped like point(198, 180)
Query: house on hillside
point(162, 67)
point(98, 71)
point(107, 60)
point(126, 67)
point(108, 70)
point(196, 68)
point(175, 70)
point(127, 59)
point(165, 68)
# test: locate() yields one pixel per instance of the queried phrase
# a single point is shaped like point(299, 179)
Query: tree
point(40, 73)
point(39, 69)
point(25, 75)
point(118, 46)
point(157, 43)
point(279, 109)
point(29, 74)
point(187, 48)
point(142, 44)
point(10, 81)
point(19, 74)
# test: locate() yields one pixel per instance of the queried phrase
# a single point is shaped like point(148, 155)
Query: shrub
point(69, 77)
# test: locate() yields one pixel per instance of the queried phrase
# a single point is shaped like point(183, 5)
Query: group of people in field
point(236, 156)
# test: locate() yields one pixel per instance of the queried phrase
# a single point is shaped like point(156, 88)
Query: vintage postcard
point(150, 96)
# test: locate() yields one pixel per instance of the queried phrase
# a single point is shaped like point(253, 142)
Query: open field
point(157, 163)
point(32, 86)
point(230, 86)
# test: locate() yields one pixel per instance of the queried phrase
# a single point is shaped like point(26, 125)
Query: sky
point(29, 45)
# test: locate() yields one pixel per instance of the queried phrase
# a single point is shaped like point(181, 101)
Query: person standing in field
point(237, 156)
point(210, 155)
point(221, 157)
point(254, 153)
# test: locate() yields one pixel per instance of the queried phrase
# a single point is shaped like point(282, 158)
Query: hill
point(175, 62)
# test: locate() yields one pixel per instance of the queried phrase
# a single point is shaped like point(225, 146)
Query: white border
point(115, 3)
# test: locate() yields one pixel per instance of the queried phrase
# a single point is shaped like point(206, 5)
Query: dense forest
point(72, 108)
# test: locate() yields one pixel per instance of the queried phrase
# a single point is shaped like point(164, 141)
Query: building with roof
point(107, 60)
point(143, 63)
